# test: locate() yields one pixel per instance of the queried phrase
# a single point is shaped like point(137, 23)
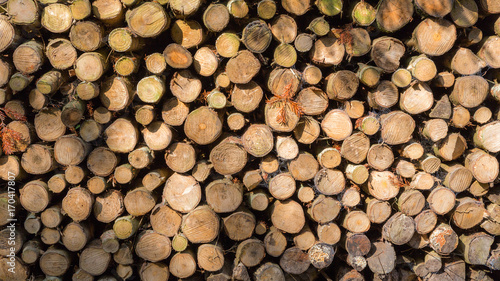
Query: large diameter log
point(288, 216)
point(321, 255)
point(38, 159)
point(28, 57)
point(355, 148)
point(70, 150)
point(91, 66)
point(75, 236)
point(228, 157)
point(337, 125)
point(386, 53)
point(154, 271)
point(203, 232)
point(341, 85)
point(35, 196)
point(258, 140)
point(165, 220)
point(468, 213)
point(464, 95)
point(61, 53)
point(203, 126)
point(224, 196)
point(381, 258)
point(399, 229)
point(239, 225)
point(378, 211)
point(434, 37)
point(383, 185)
point(57, 18)
point(324, 209)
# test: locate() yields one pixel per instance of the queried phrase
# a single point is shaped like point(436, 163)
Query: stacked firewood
point(249, 140)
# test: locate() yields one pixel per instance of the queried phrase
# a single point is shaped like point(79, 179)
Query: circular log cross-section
point(201, 225)
point(228, 158)
point(203, 126)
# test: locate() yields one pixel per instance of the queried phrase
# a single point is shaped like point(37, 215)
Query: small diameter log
point(380, 157)
point(141, 157)
point(200, 233)
point(360, 43)
point(258, 200)
point(324, 209)
point(258, 140)
point(51, 217)
point(164, 220)
point(123, 40)
point(307, 130)
point(463, 95)
point(286, 147)
point(126, 65)
point(31, 251)
point(287, 216)
point(124, 255)
point(385, 95)
point(75, 236)
point(363, 13)
point(239, 225)
point(75, 174)
point(329, 181)
point(87, 90)
point(102, 115)
point(435, 129)
point(399, 229)
point(321, 255)
point(155, 178)
point(184, 8)
point(443, 239)
point(482, 115)
point(55, 261)
point(50, 236)
point(305, 239)
point(443, 33)
point(125, 227)
point(383, 185)
point(356, 221)
point(304, 42)
point(77, 203)
point(19, 81)
point(86, 36)
point(405, 169)
point(438, 10)
point(156, 63)
point(401, 78)
point(458, 178)
point(154, 271)
point(275, 242)
point(294, 261)
point(174, 112)
point(210, 257)
point(91, 66)
point(177, 56)
point(145, 114)
point(152, 246)
point(393, 15)
point(80, 9)
point(205, 61)
point(329, 233)
point(485, 137)
point(461, 117)
point(369, 75)
point(227, 44)
point(327, 51)
point(368, 125)
point(32, 224)
point(465, 62)
point(90, 130)
point(216, 17)
point(476, 247)
point(203, 126)
point(182, 192)
point(269, 271)
point(70, 150)
point(422, 68)
point(250, 252)
point(483, 166)
point(224, 196)
point(180, 157)
point(34, 196)
point(110, 243)
point(357, 173)
point(236, 121)
point(357, 244)
point(378, 211)
point(202, 170)
point(433, 262)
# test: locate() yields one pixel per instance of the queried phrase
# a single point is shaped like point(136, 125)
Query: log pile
point(249, 140)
